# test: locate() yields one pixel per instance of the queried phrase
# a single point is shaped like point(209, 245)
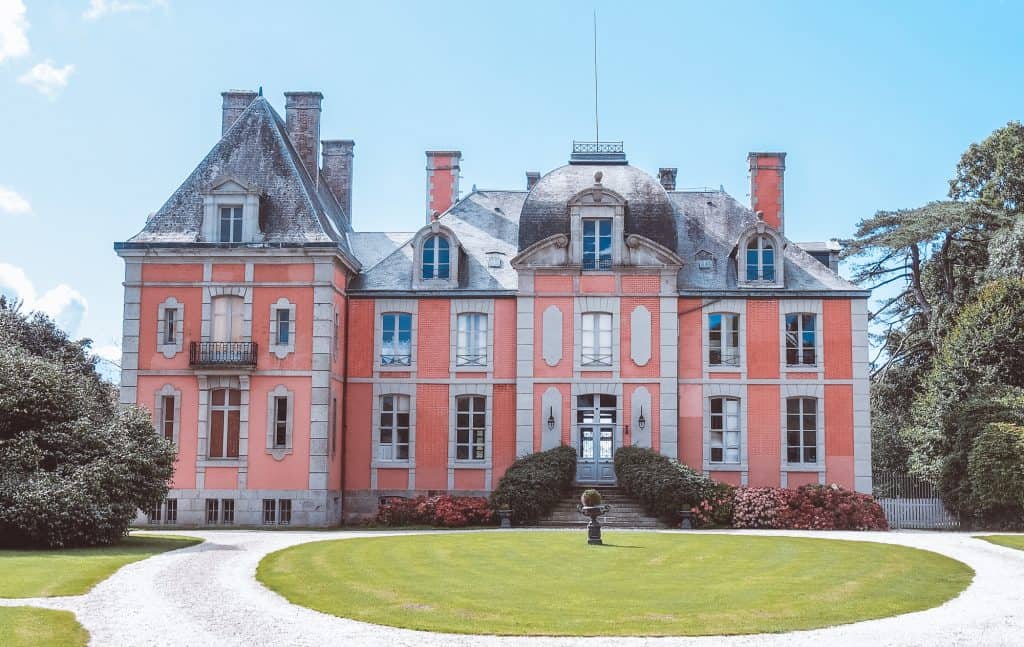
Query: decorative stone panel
point(640, 335)
point(551, 335)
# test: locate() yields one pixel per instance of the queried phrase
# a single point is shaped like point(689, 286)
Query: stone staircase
point(625, 512)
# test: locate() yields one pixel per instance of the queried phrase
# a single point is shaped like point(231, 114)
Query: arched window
point(225, 422)
point(436, 263)
point(761, 259)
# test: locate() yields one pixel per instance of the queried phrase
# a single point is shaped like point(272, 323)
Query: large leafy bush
point(73, 469)
point(810, 507)
point(533, 485)
point(996, 473)
point(663, 485)
point(445, 511)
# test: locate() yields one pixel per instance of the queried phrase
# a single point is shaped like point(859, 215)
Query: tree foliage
point(73, 468)
point(996, 472)
point(992, 172)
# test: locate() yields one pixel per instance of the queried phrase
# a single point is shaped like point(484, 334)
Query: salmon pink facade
point(306, 370)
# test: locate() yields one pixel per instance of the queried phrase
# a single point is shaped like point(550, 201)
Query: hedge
point(996, 473)
point(662, 485)
point(535, 483)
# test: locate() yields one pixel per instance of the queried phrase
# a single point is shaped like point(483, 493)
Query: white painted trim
point(385, 306)
point(162, 347)
point(458, 307)
point(455, 392)
point(168, 390)
point(280, 391)
point(802, 389)
point(802, 306)
point(727, 390)
point(380, 390)
point(282, 350)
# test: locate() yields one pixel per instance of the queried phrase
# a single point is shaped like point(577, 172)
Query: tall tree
point(992, 172)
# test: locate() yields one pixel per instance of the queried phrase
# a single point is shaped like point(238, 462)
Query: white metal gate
point(910, 503)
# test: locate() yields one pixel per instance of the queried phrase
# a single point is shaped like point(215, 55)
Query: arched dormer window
point(759, 261)
point(436, 258)
point(597, 229)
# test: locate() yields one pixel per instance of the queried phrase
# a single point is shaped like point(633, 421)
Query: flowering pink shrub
point(445, 511)
point(810, 507)
point(759, 507)
point(716, 510)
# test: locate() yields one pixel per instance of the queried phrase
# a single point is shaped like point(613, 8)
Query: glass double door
point(595, 437)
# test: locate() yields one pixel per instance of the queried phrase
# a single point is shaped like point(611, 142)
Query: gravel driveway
point(207, 595)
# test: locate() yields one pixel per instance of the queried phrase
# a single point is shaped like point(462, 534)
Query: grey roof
point(294, 208)
point(648, 212)
point(712, 221)
point(484, 222)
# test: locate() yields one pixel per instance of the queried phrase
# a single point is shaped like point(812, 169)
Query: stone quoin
point(306, 369)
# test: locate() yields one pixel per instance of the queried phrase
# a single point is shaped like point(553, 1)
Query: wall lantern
point(641, 421)
point(551, 419)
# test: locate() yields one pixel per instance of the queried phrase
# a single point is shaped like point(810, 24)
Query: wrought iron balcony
point(596, 147)
point(222, 353)
point(597, 153)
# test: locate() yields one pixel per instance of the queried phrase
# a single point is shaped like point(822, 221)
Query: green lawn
point(47, 573)
point(552, 583)
point(32, 627)
point(1010, 541)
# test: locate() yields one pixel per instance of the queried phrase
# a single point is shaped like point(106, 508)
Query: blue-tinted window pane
point(751, 264)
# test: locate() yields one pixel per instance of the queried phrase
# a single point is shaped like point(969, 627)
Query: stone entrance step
point(625, 511)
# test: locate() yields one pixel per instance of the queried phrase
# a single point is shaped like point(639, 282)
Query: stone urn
point(505, 516)
point(590, 506)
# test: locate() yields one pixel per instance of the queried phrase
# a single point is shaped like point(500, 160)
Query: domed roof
point(648, 210)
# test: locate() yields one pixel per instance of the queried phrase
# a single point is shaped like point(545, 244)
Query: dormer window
point(231, 224)
point(436, 258)
point(761, 259)
point(597, 244)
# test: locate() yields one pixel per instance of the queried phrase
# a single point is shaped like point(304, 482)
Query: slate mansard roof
point(294, 208)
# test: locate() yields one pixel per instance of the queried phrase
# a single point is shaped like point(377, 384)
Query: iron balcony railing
point(597, 147)
point(222, 353)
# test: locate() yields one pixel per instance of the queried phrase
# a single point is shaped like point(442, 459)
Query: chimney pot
point(235, 103)
point(667, 177)
point(337, 171)
point(442, 181)
point(532, 177)
point(767, 175)
point(302, 119)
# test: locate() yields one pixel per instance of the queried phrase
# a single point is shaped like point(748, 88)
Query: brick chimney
point(532, 177)
point(667, 177)
point(302, 118)
point(767, 171)
point(235, 103)
point(442, 181)
point(337, 170)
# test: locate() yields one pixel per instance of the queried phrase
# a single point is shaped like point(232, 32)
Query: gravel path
point(207, 595)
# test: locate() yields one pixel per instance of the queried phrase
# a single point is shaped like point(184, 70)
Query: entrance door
point(595, 417)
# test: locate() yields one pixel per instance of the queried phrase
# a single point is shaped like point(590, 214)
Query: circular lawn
point(637, 584)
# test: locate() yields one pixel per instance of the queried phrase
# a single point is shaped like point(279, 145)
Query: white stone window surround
point(435, 228)
point(380, 390)
point(802, 306)
point(580, 387)
point(456, 391)
point(208, 383)
point(167, 391)
point(798, 389)
point(211, 292)
point(278, 452)
point(724, 306)
point(277, 349)
point(596, 202)
point(760, 229)
point(725, 390)
point(585, 305)
point(389, 306)
point(169, 350)
point(231, 192)
point(471, 306)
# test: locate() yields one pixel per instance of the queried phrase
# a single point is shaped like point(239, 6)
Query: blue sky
point(106, 106)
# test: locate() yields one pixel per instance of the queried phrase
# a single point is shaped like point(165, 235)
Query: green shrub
point(663, 485)
point(996, 473)
point(533, 485)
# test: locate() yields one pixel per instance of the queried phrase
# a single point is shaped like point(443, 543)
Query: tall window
point(231, 224)
point(471, 347)
point(396, 339)
point(800, 339)
point(436, 263)
point(227, 507)
point(269, 511)
point(170, 326)
point(723, 339)
point(284, 326)
point(393, 440)
point(284, 507)
point(227, 318)
point(470, 428)
point(761, 259)
point(225, 420)
point(597, 244)
point(172, 511)
point(802, 430)
point(281, 421)
point(596, 328)
point(154, 513)
point(167, 417)
point(212, 510)
point(724, 432)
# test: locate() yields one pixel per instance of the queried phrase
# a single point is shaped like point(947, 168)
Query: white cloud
point(13, 28)
point(46, 78)
point(12, 203)
point(63, 304)
point(99, 8)
point(109, 352)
